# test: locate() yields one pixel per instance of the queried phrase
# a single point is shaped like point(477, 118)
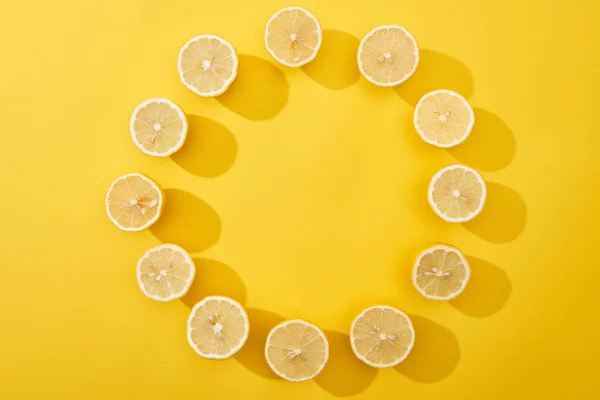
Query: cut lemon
point(134, 202)
point(207, 65)
point(296, 350)
point(158, 127)
point(457, 193)
point(293, 36)
point(388, 55)
point(443, 118)
point(441, 273)
point(217, 327)
point(382, 336)
point(165, 272)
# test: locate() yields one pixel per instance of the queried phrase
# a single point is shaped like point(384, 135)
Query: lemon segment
point(158, 127)
point(293, 36)
point(134, 202)
point(457, 193)
point(443, 118)
point(207, 65)
point(441, 273)
point(217, 327)
point(382, 336)
point(165, 272)
point(296, 350)
point(388, 55)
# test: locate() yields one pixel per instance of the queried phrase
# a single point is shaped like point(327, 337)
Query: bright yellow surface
point(301, 193)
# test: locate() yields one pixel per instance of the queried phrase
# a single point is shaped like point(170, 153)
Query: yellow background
point(301, 193)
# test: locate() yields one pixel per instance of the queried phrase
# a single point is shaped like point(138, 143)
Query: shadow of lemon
point(435, 354)
point(213, 278)
point(335, 66)
point(344, 375)
point(187, 221)
point(259, 92)
point(209, 150)
point(436, 71)
point(503, 217)
point(486, 293)
point(491, 145)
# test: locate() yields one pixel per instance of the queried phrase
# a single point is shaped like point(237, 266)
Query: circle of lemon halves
point(218, 327)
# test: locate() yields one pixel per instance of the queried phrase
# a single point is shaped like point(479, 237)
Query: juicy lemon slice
point(441, 273)
point(443, 118)
point(134, 202)
point(293, 36)
point(165, 272)
point(382, 336)
point(457, 193)
point(207, 65)
point(388, 55)
point(296, 350)
point(217, 327)
point(158, 127)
